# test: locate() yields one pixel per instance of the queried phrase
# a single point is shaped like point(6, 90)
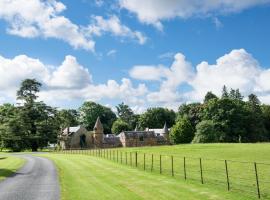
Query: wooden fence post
point(201, 170)
point(185, 172)
point(172, 167)
point(160, 165)
point(136, 159)
point(144, 161)
point(257, 180)
point(152, 163)
point(227, 175)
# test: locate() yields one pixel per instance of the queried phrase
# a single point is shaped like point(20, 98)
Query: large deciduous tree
point(119, 125)
point(182, 131)
point(67, 118)
point(156, 117)
point(126, 114)
point(90, 111)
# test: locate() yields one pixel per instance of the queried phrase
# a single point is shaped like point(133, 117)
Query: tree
point(67, 118)
point(209, 96)
point(192, 111)
point(230, 114)
point(235, 94)
point(34, 124)
point(90, 111)
point(207, 131)
point(28, 90)
point(156, 117)
point(126, 114)
point(182, 131)
point(255, 128)
point(225, 92)
point(266, 118)
point(119, 125)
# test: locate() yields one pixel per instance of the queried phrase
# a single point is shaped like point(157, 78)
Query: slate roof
point(136, 134)
point(73, 129)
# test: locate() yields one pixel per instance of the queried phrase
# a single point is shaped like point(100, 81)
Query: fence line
point(249, 177)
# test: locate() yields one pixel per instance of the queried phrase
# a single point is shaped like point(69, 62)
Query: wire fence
point(249, 178)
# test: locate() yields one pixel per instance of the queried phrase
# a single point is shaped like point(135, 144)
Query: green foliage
point(90, 111)
point(192, 111)
point(209, 96)
point(119, 125)
point(266, 118)
point(126, 114)
point(67, 118)
point(28, 90)
point(225, 93)
point(208, 131)
point(31, 125)
point(156, 117)
point(230, 114)
point(182, 131)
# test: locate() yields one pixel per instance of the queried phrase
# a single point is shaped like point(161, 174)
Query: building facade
point(79, 137)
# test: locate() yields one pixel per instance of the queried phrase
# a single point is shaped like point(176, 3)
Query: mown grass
point(9, 165)
point(85, 177)
point(240, 160)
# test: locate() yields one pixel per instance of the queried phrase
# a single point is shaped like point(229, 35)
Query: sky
point(145, 53)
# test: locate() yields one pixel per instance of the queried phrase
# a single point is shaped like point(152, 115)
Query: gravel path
point(36, 180)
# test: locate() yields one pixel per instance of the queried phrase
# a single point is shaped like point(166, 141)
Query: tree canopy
point(90, 111)
point(156, 118)
point(32, 124)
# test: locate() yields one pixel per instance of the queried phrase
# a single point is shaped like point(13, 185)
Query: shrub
point(207, 131)
point(182, 131)
point(119, 126)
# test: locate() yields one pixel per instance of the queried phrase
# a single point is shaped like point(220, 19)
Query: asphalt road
point(36, 180)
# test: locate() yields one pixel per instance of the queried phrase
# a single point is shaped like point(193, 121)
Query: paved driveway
point(36, 180)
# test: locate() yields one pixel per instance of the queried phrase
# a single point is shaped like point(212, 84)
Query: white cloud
point(70, 75)
point(38, 18)
point(179, 72)
point(68, 82)
point(217, 23)
point(112, 52)
point(237, 69)
point(113, 25)
point(154, 11)
point(147, 72)
point(45, 19)
point(12, 71)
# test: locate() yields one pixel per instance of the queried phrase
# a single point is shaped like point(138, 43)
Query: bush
point(207, 132)
point(119, 126)
point(182, 131)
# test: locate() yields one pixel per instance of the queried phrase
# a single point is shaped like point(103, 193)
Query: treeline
point(32, 124)
point(225, 119)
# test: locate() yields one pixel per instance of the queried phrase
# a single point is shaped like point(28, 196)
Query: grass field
point(9, 165)
point(240, 160)
point(85, 177)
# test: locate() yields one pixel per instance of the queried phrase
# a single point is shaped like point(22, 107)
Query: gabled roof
point(70, 130)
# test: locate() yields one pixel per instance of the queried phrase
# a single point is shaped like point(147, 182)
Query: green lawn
point(240, 164)
point(9, 165)
point(88, 177)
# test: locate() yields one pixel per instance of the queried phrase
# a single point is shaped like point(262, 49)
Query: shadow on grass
point(7, 172)
point(2, 158)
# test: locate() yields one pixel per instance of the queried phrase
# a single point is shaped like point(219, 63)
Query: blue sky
point(162, 53)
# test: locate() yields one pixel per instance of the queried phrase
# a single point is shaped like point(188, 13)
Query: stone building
point(79, 137)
